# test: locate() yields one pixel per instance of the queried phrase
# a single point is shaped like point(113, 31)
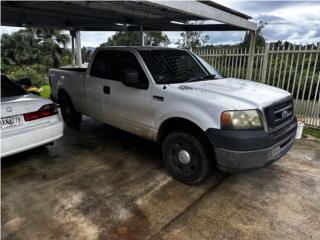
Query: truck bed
point(71, 78)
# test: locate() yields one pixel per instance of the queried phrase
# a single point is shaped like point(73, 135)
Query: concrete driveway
point(102, 183)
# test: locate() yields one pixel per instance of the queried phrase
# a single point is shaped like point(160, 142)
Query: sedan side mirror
point(131, 78)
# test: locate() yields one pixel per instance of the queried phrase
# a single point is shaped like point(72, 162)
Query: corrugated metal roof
point(122, 15)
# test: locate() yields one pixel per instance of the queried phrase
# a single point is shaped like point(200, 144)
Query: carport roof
point(125, 15)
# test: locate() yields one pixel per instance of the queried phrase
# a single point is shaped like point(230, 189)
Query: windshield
point(174, 66)
point(9, 88)
point(211, 69)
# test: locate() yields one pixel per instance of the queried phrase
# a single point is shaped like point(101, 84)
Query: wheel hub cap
point(184, 157)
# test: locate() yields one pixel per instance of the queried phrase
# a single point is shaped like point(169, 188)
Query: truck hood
point(233, 93)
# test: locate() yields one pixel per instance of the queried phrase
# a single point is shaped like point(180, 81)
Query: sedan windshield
point(175, 66)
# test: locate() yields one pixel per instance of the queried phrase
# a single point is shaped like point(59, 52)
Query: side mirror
point(131, 78)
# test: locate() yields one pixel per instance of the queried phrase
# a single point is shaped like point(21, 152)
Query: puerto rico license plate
point(11, 121)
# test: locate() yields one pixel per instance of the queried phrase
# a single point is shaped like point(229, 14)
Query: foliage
point(36, 73)
point(260, 40)
point(31, 52)
point(19, 48)
point(312, 131)
point(192, 40)
point(156, 39)
point(51, 44)
point(302, 69)
point(86, 54)
point(292, 71)
point(123, 38)
point(67, 57)
point(46, 90)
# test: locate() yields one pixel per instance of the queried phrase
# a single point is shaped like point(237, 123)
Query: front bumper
point(239, 150)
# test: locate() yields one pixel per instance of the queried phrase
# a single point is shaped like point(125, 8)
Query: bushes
point(29, 53)
point(34, 72)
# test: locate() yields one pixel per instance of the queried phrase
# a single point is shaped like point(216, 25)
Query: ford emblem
point(284, 114)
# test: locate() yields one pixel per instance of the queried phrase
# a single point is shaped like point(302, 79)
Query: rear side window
point(9, 88)
point(110, 64)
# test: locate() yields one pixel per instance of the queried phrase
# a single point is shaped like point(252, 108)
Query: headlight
point(248, 119)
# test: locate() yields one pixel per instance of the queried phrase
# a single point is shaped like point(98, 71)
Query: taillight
point(44, 111)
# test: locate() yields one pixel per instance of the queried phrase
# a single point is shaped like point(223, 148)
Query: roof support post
point(72, 34)
point(265, 63)
point(78, 58)
point(141, 36)
point(251, 54)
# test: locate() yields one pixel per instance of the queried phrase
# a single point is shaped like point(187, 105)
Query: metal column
point(141, 36)
point(251, 54)
point(78, 58)
point(72, 34)
point(265, 63)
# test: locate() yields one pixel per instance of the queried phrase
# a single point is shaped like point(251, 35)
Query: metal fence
point(295, 68)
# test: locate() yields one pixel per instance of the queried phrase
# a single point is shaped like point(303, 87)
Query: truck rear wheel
point(186, 157)
point(70, 116)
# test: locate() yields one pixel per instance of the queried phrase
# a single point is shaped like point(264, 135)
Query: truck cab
point(175, 98)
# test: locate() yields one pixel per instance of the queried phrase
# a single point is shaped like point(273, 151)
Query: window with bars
point(172, 66)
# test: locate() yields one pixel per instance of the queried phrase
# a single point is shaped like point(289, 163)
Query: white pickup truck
point(174, 97)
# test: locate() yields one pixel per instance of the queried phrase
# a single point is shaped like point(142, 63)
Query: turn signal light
point(226, 119)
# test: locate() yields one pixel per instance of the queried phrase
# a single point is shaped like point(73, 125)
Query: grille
point(279, 113)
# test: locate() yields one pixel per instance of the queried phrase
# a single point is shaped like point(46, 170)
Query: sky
point(294, 21)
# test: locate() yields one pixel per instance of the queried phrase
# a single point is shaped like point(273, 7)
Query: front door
point(126, 107)
point(94, 84)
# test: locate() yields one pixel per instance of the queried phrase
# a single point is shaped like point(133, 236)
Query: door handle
point(106, 89)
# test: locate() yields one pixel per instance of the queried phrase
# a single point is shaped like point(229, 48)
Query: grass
point(45, 93)
point(312, 132)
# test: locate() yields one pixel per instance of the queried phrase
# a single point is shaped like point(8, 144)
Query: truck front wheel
point(70, 116)
point(186, 157)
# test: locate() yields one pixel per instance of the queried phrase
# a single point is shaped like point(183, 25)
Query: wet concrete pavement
point(101, 183)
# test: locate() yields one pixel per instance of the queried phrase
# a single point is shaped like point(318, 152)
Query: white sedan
point(27, 120)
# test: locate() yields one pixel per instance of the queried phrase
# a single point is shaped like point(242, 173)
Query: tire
point(186, 157)
point(70, 116)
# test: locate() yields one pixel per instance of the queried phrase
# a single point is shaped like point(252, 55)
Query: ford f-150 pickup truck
point(174, 97)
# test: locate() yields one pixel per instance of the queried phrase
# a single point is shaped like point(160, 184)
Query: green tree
point(86, 54)
point(30, 52)
point(125, 38)
point(192, 40)
point(52, 44)
point(19, 48)
point(260, 40)
point(156, 39)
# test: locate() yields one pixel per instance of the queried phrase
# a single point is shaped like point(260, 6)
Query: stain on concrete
point(101, 183)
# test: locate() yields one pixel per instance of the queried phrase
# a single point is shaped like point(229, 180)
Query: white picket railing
point(295, 68)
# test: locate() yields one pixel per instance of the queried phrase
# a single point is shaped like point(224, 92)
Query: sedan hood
point(234, 93)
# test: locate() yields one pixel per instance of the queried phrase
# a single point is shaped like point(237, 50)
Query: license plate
point(11, 121)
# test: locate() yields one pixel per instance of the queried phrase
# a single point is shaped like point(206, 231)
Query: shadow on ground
point(98, 182)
